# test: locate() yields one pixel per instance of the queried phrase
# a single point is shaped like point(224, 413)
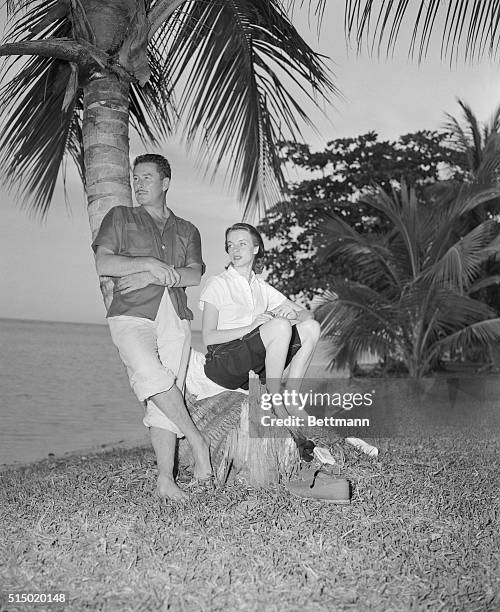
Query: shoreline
point(139, 442)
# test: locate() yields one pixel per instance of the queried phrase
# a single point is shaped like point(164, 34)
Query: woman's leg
point(276, 335)
point(309, 332)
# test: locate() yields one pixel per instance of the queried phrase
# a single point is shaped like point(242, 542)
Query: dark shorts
point(229, 363)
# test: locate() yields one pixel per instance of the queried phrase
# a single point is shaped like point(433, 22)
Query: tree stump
point(227, 420)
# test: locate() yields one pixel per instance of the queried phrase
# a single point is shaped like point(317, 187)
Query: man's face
point(149, 186)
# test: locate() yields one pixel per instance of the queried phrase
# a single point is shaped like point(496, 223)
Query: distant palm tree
point(231, 69)
point(479, 143)
point(411, 294)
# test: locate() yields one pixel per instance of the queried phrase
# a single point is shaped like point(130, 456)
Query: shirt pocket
point(137, 241)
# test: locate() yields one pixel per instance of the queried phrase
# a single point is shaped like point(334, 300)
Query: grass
point(421, 534)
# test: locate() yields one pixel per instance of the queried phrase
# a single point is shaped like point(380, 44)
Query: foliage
point(411, 291)
point(224, 69)
point(470, 27)
point(479, 145)
point(477, 142)
point(336, 179)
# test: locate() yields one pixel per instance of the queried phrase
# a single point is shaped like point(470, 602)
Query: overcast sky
point(48, 269)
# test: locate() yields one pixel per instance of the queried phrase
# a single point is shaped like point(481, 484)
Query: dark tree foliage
point(334, 180)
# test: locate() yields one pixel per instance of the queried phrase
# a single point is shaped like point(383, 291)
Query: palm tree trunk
point(106, 152)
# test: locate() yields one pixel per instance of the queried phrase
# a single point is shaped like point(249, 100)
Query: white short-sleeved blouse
point(237, 300)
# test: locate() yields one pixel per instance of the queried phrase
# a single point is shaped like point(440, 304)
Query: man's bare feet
point(167, 489)
point(202, 463)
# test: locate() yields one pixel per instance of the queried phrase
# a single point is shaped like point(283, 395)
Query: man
point(153, 255)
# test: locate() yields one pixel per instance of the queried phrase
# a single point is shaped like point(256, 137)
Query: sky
point(47, 268)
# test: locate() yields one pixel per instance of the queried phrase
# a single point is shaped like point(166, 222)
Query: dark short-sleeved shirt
point(131, 231)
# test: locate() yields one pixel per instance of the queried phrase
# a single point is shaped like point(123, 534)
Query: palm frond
point(240, 65)
point(472, 27)
point(470, 196)
point(455, 311)
point(315, 7)
point(401, 210)
point(33, 142)
point(349, 297)
point(38, 132)
point(480, 333)
point(479, 143)
point(370, 258)
point(474, 132)
point(453, 202)
point(152, 107)
point(461, 263)
point(484, 282)
point(354, 325)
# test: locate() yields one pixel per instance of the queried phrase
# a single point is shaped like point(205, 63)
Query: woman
point(249, 325)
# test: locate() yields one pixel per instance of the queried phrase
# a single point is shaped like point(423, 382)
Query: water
point(63, 388)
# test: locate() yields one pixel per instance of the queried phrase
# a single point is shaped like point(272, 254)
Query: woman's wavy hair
point(258, 262)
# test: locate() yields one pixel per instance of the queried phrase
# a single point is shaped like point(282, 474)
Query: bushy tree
point(336, 178)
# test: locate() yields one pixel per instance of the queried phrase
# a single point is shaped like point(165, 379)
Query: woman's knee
point(279, 327)
point(309, 330)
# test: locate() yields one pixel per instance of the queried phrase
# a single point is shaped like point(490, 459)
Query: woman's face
point(240, 248)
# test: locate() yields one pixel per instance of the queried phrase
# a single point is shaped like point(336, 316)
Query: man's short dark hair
point(160, 162)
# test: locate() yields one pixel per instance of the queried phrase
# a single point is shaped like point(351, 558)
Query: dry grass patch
point(421, 533)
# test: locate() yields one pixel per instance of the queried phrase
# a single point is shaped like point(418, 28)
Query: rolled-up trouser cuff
point(147, 386)
point(154, 417)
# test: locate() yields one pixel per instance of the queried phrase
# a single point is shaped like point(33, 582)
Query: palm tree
point(411, 294)
point(475, 141)
point(223, 66)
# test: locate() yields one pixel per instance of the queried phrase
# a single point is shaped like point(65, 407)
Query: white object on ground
point(368, 449)
point(323, 455)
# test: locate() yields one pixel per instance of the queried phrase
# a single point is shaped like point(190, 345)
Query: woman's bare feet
point(167, 489)
point(202, 463)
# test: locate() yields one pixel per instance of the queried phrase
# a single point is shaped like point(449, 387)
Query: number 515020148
point(36, 597)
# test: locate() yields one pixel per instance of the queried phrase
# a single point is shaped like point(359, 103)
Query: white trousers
point(155, 354)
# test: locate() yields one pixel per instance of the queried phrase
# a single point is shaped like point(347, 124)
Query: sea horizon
point(24, 320)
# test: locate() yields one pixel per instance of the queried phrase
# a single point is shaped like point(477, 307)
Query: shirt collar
point(232, 272)
point(172, 217)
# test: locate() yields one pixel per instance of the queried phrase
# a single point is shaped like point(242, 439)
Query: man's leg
point(171, 403)
point(164, 443)
point(174, 345)
point(136, 340)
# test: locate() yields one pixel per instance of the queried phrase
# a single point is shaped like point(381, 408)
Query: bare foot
point(167, 489)
point(201, 454)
